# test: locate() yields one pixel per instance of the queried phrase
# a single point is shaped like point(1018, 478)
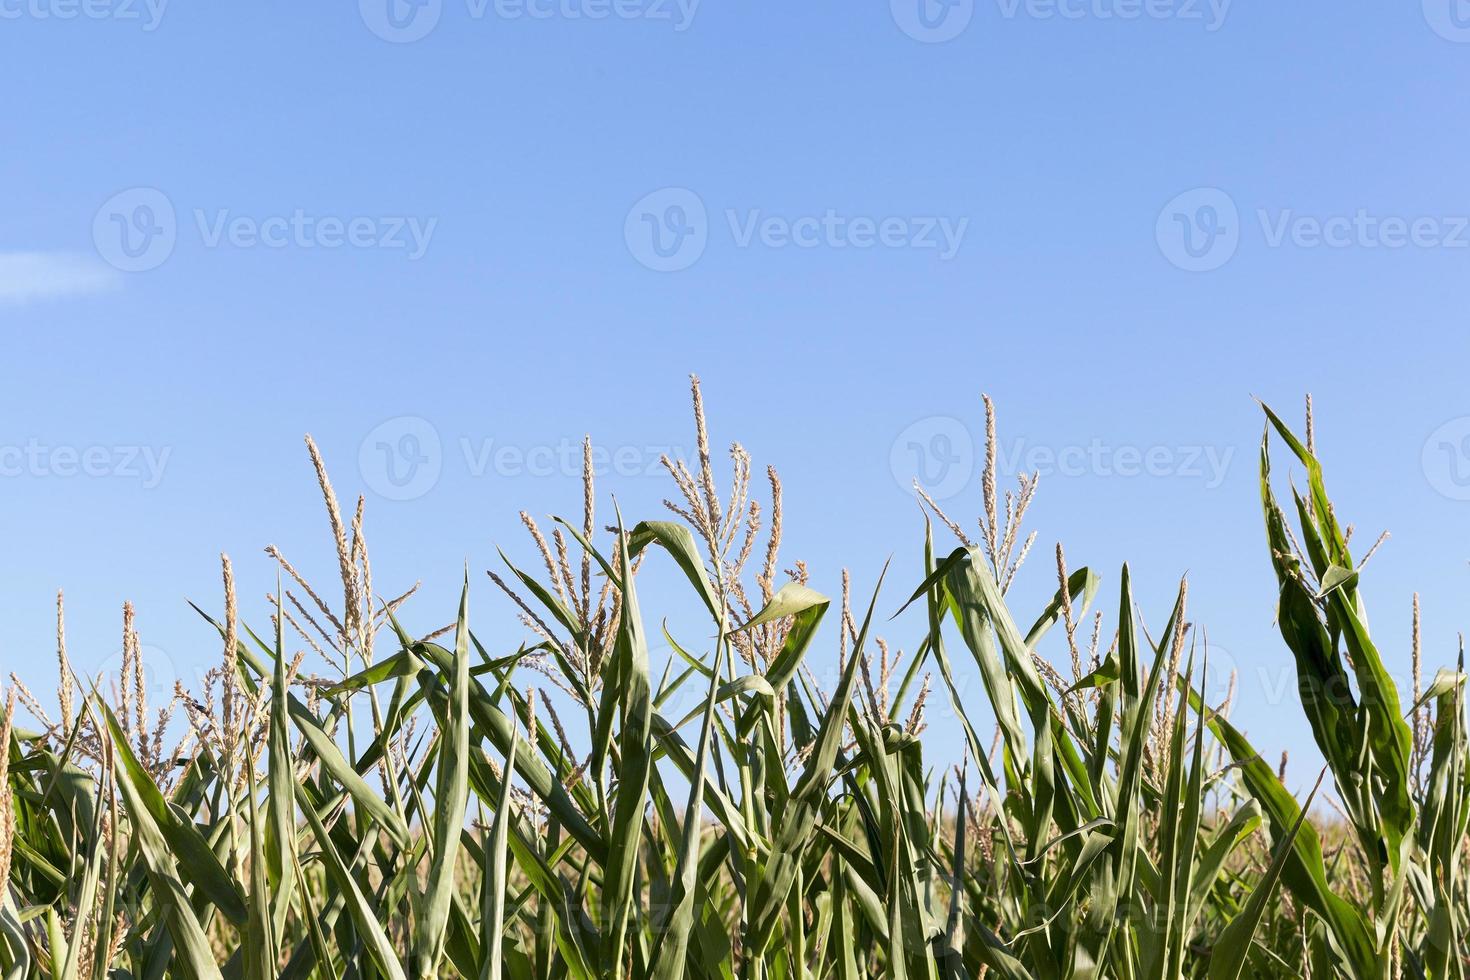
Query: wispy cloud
point(28, 276)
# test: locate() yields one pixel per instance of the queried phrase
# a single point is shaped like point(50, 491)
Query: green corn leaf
point(259, 950)
point(678, 542)
point(493, 917)
point(771, 887)
point(806, 607)
point(1304, 873)
point(280, 836)
point(360, 910)
point(674, 949)
point(182, 838)
point(1230, 951)
point(86, 898)
point(635, 745)
point(451, 796)
point(192, 954)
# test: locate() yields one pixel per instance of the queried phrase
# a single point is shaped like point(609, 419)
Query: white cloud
point(27, 276)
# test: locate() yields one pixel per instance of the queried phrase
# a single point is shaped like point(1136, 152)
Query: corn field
point(343, 798)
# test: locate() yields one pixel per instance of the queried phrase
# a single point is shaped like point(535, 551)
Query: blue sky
point(1122, 220)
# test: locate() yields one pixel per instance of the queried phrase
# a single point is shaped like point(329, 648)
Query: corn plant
point(346, 797)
